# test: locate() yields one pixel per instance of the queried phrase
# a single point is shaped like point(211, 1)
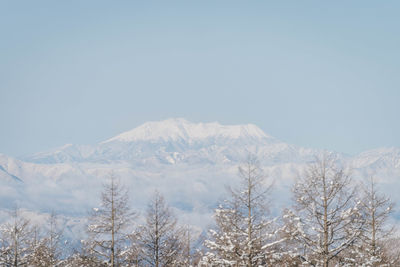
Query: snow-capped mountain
point(190, 163)
point(184, 131)
point(177, 140)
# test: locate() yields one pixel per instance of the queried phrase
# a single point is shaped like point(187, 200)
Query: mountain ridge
point(191, 172)
point(159, 138)
point(176, 139)
point(179, 128)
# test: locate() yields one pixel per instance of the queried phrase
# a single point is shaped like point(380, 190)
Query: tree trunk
point(249, 227)
point(112, 224)
point(326, 230)
point(373, 224)
point(15, 246)
point(157, 237)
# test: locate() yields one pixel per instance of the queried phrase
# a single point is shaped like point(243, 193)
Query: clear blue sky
point(311, 73)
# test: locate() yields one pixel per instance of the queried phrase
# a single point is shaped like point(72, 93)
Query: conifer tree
point(244, 235)
point(160, 237)
point(108, 224)
point(15, 240)
point(376, 209)
point(327, 216)
point(46, 247)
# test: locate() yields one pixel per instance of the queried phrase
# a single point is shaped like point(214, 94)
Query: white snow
point(192, 178)
point(175, 129)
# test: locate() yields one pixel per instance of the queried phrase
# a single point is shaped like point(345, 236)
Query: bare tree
point(377, 209)
point(160, 237)
point(109, 223)
point(46, 248)
point(53, 237)
point(244, 236)
point(327, 213)
point(188, 241)
point(133, 255)
point(83, 255)
point(46, 245)
point(391, 251)
point(15, 240)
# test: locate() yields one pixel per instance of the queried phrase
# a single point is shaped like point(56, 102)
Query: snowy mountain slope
point(4, 174)
point(380, 158)
point(183, 130)
point(177, 140)
point(190, 163)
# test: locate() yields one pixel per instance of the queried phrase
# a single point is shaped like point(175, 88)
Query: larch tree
point(244, 234)
point(46, 248)
point(391, 250)
point(134, 253)
point(188, 241)
point(160, 238)
point(327, 217)
point(377, 209)
point(15, 240)
point(108, 224)
point(83, 255)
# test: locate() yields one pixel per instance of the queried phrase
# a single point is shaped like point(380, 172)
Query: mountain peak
point(178, 128)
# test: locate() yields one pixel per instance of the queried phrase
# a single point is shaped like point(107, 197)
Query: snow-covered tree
point(391, 251)
point(160, 238)
point(376, 208)
point(189, 242)
point(15, 240)
point(327, 217)
point(108, 224)
point(84, 256)
point(244, 235)
point(133, 253)
point(46, 248)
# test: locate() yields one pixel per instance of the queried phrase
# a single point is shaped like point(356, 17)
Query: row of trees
point(330, 224)
point(22, 244)
point(111, 239)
